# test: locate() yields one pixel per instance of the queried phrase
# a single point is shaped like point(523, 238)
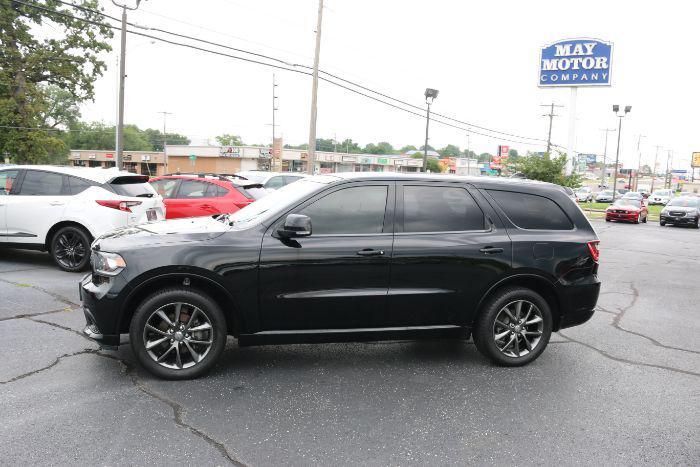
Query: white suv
point(63, 209)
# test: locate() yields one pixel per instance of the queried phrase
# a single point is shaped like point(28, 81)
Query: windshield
point(279, 200)
point(628, 202)
point(684, 202)
point(633, 195)
point(661, 193)
point(606, 193)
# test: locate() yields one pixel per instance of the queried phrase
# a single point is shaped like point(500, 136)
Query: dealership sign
point(576, 62)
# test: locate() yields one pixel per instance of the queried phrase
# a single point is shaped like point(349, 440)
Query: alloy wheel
point(518, 328)
point(178, 335)
point(70, 250)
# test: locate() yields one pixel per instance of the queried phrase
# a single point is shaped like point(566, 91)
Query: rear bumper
point(579, 301)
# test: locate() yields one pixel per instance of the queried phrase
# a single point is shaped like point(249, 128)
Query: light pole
point(653, 170)
point(605, 155)
point(311, 153)
point(122, 75)
point(430, 95)
point(469, 162)
point(639, 162)
point(165, 141)
point(276, 164)
point(616, 109)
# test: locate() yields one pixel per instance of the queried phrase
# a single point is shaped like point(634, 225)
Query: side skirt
point(352, 335)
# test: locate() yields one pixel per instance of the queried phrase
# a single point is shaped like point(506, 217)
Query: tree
point(513, 155)
point(379, 148)
point(155, 139)
point(405, 149)
point(349, 146)
point(432, 164)
point(327, 145)
point(450, 151)
point(547, 169)
point(228, 139)
point(28, 63)
point(485, 157)
point(470, 154)
point(430, 148)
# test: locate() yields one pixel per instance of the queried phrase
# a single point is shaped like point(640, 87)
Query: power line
point(180, 44)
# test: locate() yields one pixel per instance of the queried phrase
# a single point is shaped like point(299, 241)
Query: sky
point(482, 56)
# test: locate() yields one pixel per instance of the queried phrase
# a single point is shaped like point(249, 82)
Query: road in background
point(621, 389)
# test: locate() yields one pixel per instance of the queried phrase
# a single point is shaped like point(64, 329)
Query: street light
point(430, 95)
point(616, 109)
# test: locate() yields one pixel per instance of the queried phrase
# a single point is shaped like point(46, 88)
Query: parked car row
point(61, 209)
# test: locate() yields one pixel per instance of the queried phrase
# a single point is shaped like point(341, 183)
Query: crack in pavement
point(51, 365)
point(178, 409)
point(51, 294)
point(627, 361)
point(59, 326)
point(618, 317)
point(29, 315)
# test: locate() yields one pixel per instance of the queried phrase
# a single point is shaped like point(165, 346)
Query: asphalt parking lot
point(622, 389)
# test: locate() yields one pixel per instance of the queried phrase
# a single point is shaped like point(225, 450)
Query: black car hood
point(192, 229)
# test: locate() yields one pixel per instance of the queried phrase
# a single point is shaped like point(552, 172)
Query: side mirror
point(295, 225)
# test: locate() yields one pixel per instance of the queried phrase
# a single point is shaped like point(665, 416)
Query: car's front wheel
point(178, 333)
point(70, 248)
point(513, 327)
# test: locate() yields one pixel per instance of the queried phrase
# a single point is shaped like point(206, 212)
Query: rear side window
point(7, 181)
point(532, 211)
point(290, 179)
point(440, 209)
point(165, 187)
point(78, 185)
point(136, 186)
point(40, 183)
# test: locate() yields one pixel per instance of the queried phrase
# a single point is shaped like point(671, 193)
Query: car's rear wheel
point(514, 327)
point(70, 248)
point(662, 223)
point(178, 333)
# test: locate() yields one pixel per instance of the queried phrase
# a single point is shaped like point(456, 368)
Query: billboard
point(503, 151)
point(576, 62)
point(695, 162)
point(229, 151)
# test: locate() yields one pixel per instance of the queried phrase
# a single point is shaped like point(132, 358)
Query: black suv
point(350, 257)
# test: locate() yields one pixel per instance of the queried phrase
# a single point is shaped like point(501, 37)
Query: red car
point(195, 195)
point(627, 209)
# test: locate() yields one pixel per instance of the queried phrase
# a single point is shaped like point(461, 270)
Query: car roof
point(268, 175)
point(478, 181)
point(94, 174)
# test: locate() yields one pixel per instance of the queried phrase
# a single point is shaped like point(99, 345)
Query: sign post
point(575, 63)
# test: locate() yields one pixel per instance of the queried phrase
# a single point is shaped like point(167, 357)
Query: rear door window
point(41, 183)
point(356, 210)
point(532, 212)
point(440, 209)
point(275, 182)
point(165, 187)
point(7, 181)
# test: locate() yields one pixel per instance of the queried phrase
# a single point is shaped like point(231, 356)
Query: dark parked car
point(681, 211)
point(350, 257)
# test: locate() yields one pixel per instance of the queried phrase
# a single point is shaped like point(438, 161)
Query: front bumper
point(678, 219)
point(617, 216)
point(101, 307)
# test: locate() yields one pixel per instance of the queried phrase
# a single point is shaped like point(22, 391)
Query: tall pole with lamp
point(616, 109)
point(605, 155)
point(430, 95)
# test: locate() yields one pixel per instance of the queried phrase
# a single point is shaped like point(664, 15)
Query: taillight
point(118, 205)
point(593, 248)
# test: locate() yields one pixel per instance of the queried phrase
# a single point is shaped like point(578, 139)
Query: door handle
point(490, 250)
point(57, 203)
point(370, 252)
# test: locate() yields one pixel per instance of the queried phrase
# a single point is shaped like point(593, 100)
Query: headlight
point(107, 264)
point(690, 214)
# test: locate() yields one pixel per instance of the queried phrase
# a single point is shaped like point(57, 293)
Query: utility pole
point(667, 177)
point(314, 89)
point(277, 164)
point(122, 75)
point(653, 169)
point(551, 116)
point(605, 154)
point(165, 140)
point(616, 109)
point(639, 162)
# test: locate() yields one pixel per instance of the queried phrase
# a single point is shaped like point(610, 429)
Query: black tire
point(485, 326)
point(662, 223)
point(697, 224)
point(190, 298)
point(70, 248)
point(645, 219)
point(607, 220)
